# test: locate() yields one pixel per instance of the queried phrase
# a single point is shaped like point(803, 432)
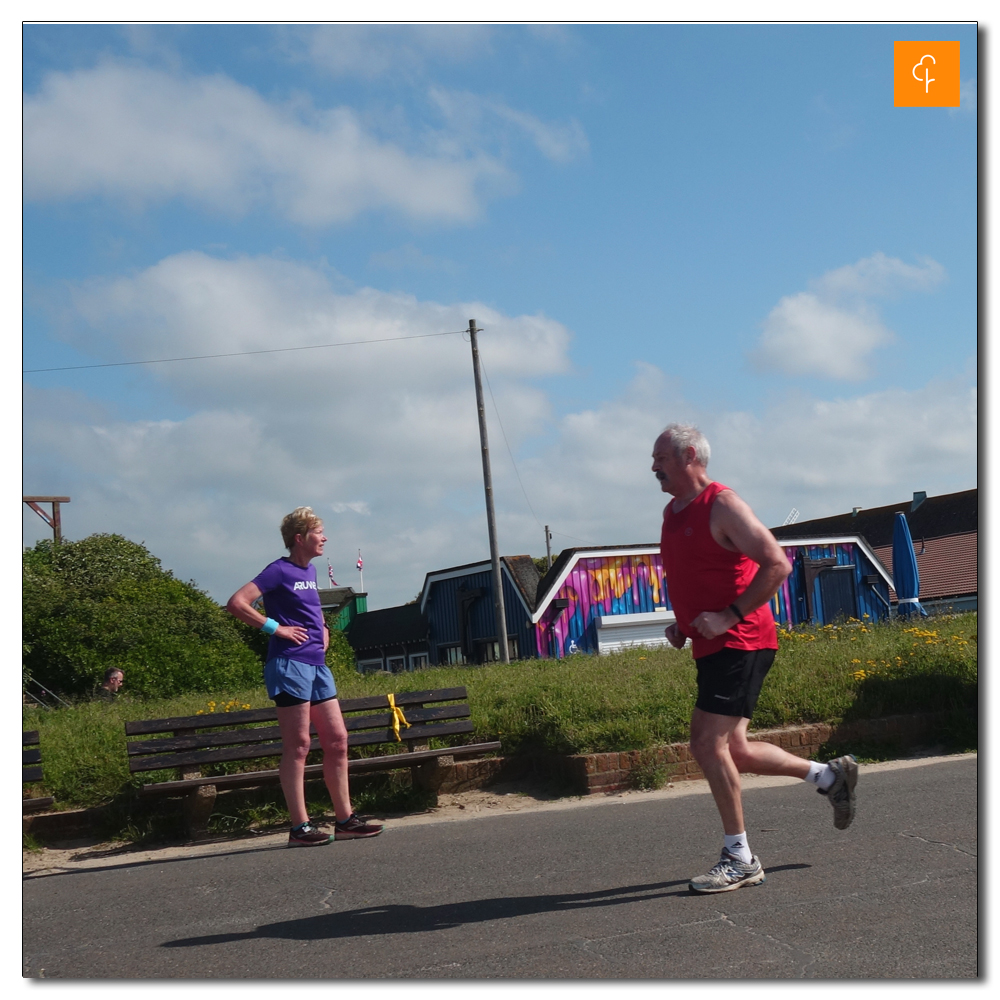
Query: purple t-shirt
point(291, 598)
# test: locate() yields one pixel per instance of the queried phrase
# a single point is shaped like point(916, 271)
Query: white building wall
point(617, 632)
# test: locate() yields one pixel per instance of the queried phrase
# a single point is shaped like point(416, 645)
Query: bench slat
point(31, 774)
point(386, 762)
point(227, 754)
point(136, 748)
point(29, 737)
point(144, 727)
point(404, 698)
point(33, 805)
point(415, 734)
point(31, 756)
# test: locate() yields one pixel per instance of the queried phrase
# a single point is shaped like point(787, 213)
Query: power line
point(575, 539)
point(512, 462)
point(506, 442)
point(240, 354)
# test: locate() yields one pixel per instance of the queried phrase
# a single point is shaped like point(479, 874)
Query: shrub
point(340, 658)
point(105, 601)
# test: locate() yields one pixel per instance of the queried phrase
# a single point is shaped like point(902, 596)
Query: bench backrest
point(29, 738)
point(220, 737)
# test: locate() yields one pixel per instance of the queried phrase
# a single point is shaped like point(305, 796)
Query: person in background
point(114, 677)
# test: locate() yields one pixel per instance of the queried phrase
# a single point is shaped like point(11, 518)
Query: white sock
point(737, 846)
point(821, 775)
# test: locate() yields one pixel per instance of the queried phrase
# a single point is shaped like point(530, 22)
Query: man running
point(298, 679)
point(722, 567)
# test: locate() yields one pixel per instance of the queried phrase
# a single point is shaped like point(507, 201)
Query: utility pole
point(501, 618)
point(548, 546)
point(55, 521)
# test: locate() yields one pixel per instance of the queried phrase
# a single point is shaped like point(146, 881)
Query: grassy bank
point(582, 704)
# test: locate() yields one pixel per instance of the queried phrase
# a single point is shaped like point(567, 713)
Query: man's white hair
point(684, 436)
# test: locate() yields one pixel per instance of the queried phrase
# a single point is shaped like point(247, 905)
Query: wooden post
point(55, 520)
point(200, 801)
point(501, 617)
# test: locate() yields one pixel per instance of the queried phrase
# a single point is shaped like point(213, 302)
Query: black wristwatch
point(736, 611)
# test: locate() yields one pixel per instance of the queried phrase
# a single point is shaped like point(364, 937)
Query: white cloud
point(371, 51)
point(473, 115)
point(879, 276)
point(803, 335)
point(382, 439)
point(145, 135)
point(827, 456)
point(831, 330)
point(392, 426)
point(355, 506)
point(968, 97)
point(821, 456)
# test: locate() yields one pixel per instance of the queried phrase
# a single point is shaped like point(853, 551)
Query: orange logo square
point(926, 74)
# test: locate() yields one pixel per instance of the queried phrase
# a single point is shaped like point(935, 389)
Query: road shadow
point(148, 862)
point(401, 918)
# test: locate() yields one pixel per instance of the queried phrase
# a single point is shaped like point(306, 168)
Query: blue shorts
point(304, 681)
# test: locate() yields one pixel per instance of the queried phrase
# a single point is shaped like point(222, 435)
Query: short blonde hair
point(300, 522)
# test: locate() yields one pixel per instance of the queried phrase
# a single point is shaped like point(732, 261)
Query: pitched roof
point(522, 571)
point(935, 517)
point(525, 575)
point(387, 627)
point(567, 556)
point(948, 567)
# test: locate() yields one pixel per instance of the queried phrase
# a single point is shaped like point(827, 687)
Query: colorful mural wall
point(614, 585)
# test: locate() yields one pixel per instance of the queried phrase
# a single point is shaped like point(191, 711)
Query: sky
point(724, 224)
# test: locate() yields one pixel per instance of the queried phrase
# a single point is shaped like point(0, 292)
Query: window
point(396, 664)
point(369, 666)
point(490, 651)
point(418, 661)
point(450, 655)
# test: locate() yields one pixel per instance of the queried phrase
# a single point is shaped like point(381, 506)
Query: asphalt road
point(597, 890)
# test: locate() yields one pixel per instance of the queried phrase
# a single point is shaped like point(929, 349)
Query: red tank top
point(703, 576)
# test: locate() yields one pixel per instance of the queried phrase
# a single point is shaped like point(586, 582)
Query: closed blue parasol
point(905, 576)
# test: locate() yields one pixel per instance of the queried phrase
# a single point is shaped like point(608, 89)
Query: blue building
point(832, 578)
point(459, 608)
point(452, 622)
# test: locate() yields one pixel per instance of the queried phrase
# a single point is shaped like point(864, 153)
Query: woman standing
point(298, 679)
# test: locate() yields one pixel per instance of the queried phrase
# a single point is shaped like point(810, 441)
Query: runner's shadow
point(403, 918)
point(408, 919)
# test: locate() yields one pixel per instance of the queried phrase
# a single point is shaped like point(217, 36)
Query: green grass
point(633, 700)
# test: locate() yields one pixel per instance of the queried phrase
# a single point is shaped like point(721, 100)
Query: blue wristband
point(269, 627)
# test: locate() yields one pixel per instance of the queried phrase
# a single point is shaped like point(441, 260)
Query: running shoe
point(354, 827)
point(729, 873)
point(841, 792)
point(307, 835)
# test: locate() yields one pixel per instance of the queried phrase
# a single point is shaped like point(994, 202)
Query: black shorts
point(730, 680)
point(283, 700)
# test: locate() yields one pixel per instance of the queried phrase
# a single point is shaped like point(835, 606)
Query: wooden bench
point(31, 771)
point(199, 741)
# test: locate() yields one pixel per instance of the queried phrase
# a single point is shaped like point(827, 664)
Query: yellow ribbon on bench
point(397, 717)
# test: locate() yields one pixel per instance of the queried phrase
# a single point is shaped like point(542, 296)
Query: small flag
point(360, 563)
point(329, 573)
